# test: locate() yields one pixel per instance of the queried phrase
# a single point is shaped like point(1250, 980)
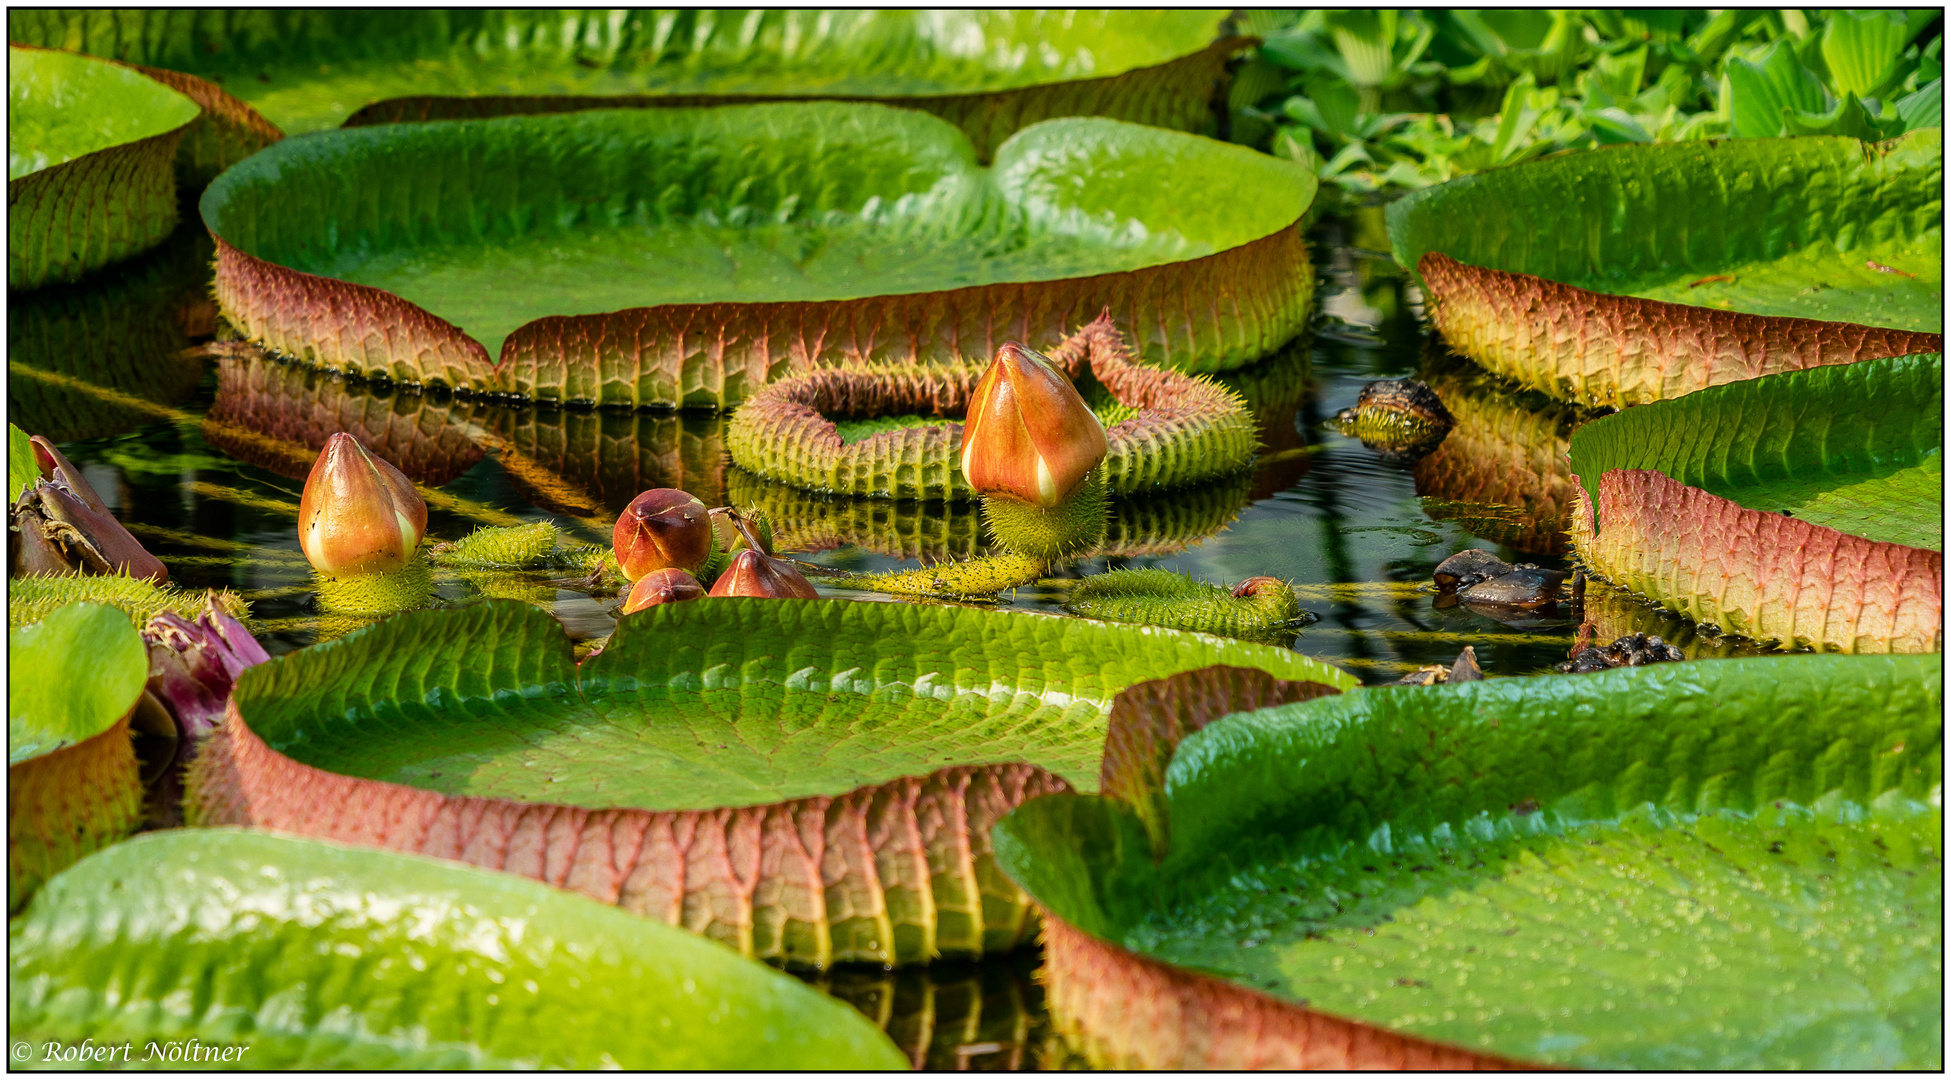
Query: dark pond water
point(202, 449)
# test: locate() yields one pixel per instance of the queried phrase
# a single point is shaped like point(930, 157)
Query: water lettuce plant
point(805, 781)
point(314, 955)
point(1722, 864)
point(628, 257)
point(89, 176)
point(989, 72)
point(72, 681)
point(1394, 100)
point(1805, 508)
point(1637, 273)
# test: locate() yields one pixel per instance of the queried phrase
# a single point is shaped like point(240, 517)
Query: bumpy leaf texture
point(1637, 273)
point(1728, 864)
point(362, 959)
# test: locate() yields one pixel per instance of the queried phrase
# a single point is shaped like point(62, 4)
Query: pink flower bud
point(359, 514)
point(1029, 436)
point(662, 528)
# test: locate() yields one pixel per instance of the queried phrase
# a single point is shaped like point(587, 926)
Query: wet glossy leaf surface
point(1728, 865)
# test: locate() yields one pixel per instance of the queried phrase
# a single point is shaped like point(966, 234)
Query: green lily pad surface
point(315, 955)
point(307, 70)
point(493, 224)
point(1855, 447)
point(62, 106)
point(1815, 228)
point(70, 677)
point(716, 703)
point(1732, 864)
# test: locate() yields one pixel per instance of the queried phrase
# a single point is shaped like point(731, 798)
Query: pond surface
point(202, 447)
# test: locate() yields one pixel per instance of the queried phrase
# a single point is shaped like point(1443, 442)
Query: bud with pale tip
point(661, 529)
point(359, 514)
point(1029, 436)
point(667, 586)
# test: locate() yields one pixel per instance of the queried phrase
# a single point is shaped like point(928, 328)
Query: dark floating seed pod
point(1633, 650)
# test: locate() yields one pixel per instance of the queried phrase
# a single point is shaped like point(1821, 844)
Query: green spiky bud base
point(1165, 598)
point(404, 589)
point(1072, 528)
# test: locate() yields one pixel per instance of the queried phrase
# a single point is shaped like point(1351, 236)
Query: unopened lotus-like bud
point(61, 526)
point(667, 586)
point(1029, 436)
point(754, 572)
point(194, 664)
point(660, 529)
point(359, 514)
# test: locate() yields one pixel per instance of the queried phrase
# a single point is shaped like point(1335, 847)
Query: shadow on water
point(201, 447)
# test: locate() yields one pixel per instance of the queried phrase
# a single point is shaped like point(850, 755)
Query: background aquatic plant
point(1386, 101)
point(990, 72)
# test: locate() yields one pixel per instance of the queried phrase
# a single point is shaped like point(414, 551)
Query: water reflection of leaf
point(105, 355)
point(278, 415)
point(591, 463)
point(1275, 389)
point(1502, 473)
point(956, 1016)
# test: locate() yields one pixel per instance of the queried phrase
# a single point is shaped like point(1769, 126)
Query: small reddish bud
point(660, 529)
point(754, 572)
point(1253, 585)
point(1029, 436)
point(667, 586)
point(359, 513)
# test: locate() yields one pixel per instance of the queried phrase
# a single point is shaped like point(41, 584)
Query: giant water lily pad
point(808, 781)
point(1730, 864)
point(990, 72)
point(362, 959)
point(689, 256)
point(1805, 507)
point(1637, 273)
point(72, 787)
point(89, 151)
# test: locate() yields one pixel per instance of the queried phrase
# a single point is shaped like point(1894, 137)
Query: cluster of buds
point(60, 526)
point(359, 514)
point(666, 540)
point(1029, 436)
